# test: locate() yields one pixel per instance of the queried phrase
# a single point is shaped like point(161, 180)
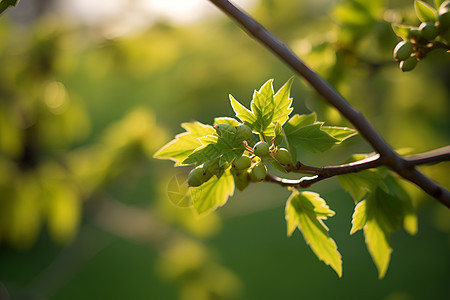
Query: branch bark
point(388, 157)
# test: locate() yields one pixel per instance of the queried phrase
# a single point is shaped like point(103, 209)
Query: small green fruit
point(283, 156)
point(408, 64)
point(242, 163)
point(224, 127)
point(261, 149)
point(244, 132)
point(444, 18)
point(240, 179)
point(403, 50)
point(258, 172)
point(198, 176)
point(428, 30)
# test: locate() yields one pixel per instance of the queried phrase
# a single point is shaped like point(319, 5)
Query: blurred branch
point(388, 156)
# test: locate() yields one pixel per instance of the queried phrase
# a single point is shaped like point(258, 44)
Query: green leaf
point(340, 133)
point(377, 242)
point(359, 217)
point(4, 4)
point(274, 163)
point(227, 148)
point(306, 211)
point(437, 3)
point(380, 214)
point(424, 12)
point(402, 31)
point(226, 120)
point(282, 103)
point(298, 121)
point(278, 136)
point(242, 112)
point(309, 137)
point(363, 182)
point(184, 143)
point(263, 107)
point(213, 193)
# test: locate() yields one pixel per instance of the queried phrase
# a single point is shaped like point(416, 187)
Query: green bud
point(258, 171)
point(242, 163)
point(283, 156)
point(428, 30)
point(244, 132)
point(403, 50)
point(224, 127)
point(261, 149)
point(408, 64)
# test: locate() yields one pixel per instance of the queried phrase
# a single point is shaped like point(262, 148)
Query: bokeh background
point(89, 90)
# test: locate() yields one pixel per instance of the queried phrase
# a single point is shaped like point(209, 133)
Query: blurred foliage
point(82, 112)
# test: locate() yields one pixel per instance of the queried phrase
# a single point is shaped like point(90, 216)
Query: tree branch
point(388, 156)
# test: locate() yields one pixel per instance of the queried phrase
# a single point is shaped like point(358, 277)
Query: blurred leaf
point(437, 3)
point(184, 143)
point(306, 211)
point(424, 12)
point(7, 3)
point(402, 31)
point(213, 193)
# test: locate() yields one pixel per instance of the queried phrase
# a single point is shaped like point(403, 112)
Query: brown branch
point(388, 156)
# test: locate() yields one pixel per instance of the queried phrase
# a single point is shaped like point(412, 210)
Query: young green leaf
point(282, 103)
point(227, 148)
point(402, 31)
point(278, 135)
point(242, 112)
point(226, 120)
point(424, 12)
point(184, 143)
point(309, 137)
point(306, 211)
point(213, 193)
point(263, 107)
point(340, 133)
point(379, 215)
point(361, 183)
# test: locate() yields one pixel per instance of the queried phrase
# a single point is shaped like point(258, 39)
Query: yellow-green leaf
point(184, 143)
point(306, 211)
point(213, 193)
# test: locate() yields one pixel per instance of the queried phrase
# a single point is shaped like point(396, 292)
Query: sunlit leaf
point(278, 136)
point(282, 103)
point(363, 182)
point(402, 31)
point(184, 143)
point(306, 211)
point(340, 133)
point(227, 148)
point(424, 12)
point(213, 193)
point(242, 112)
point(263, 107)
point(437, 3)
point(309, 137)
point(226, 120)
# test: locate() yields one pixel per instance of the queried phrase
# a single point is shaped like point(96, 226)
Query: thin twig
point(388, 156)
